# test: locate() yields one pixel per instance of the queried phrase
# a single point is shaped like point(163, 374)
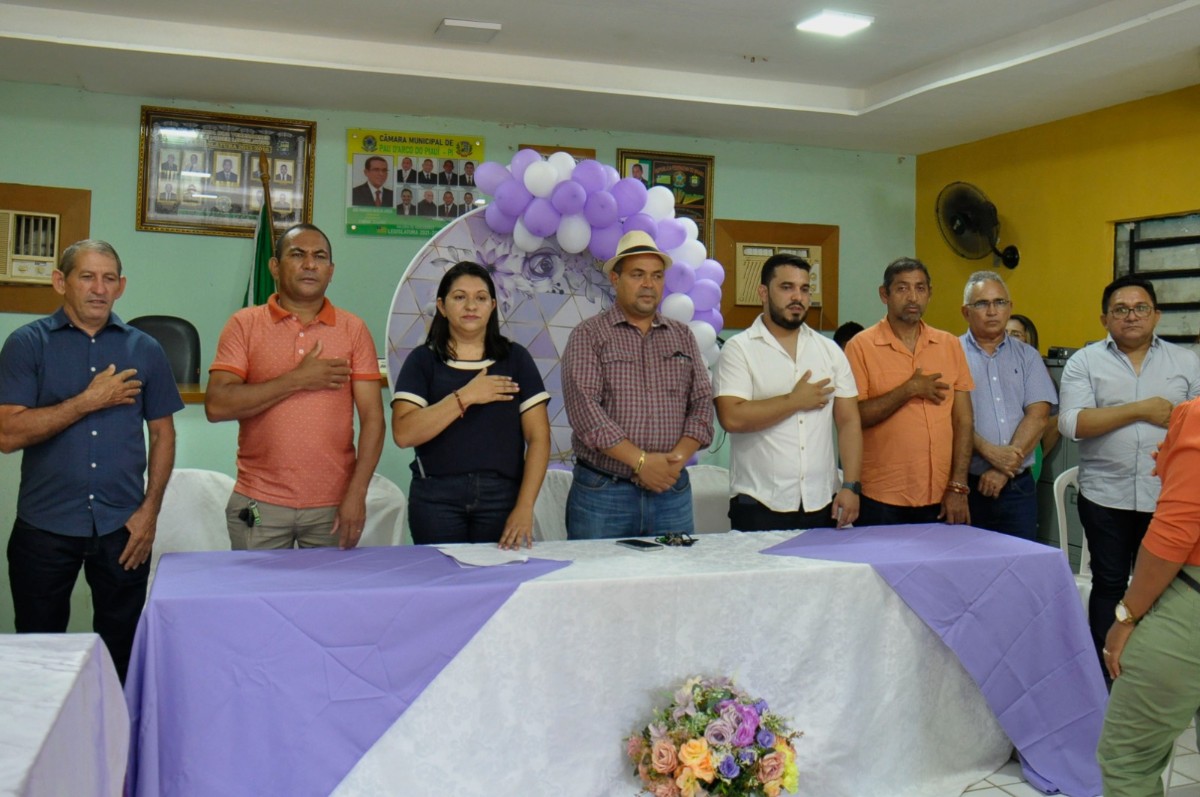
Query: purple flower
point(765, 738)
point(744, 734)
point(718, 732)
point(729, 768)
point(761, 707)
point(747, 756)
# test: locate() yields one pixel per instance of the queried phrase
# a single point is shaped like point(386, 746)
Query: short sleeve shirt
point(90, 476)
point(488, 437)
point(298, 453)
point(907, 457)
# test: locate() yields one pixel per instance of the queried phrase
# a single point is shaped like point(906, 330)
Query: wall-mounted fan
point(971, 225)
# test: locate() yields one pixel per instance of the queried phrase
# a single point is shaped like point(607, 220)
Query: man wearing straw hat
point(639, 400)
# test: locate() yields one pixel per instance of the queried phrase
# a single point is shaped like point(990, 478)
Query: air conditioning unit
point(28, 246)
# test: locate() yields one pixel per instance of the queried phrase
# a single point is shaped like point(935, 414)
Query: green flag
point(262, 284)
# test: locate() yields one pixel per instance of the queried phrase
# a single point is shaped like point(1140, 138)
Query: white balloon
point(679, 307)
point(524, 239)
point(691, 252)
point(563, 163)
point(574, 233)
point(660, 203)
point(706, 336)
point(693, 232)
point(711, 355)
point(540, 178)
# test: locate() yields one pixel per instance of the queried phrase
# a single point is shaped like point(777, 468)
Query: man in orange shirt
point(293, 372)
point(914, 397)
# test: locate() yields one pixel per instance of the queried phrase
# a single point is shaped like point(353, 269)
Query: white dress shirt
point(792, 465)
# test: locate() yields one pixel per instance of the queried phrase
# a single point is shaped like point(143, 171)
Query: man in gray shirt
point(1116, 398)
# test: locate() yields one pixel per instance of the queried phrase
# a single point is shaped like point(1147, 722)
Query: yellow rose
point(696, 756)
point(686, 781)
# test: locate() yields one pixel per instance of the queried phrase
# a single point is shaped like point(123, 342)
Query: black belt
point(606, 474)
point(1191, 582)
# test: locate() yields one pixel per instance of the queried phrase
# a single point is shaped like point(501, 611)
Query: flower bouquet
point(714, 739)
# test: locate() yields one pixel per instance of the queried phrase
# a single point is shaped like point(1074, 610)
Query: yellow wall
point(1059, 188)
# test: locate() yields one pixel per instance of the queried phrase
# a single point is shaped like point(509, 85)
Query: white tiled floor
point(1185, 782)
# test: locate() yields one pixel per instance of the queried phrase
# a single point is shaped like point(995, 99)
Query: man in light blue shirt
point(1116, 398)
point(1012, 399)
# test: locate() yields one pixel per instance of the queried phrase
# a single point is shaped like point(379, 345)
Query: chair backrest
point(710, 498)
point(550, 511)
point(1069, 478)
point(193, 514)
point(386, 508)
point(179, 339)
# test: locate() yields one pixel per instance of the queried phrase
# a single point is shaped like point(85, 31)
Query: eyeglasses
point(983, 304)
point(683, 540)
point(1138, 310)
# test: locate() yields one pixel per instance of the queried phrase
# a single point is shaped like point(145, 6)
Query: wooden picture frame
point(690, 178)
point(182, 153)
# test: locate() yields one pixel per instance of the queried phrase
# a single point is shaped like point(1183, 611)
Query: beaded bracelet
point(462, 408)
point(958, 487)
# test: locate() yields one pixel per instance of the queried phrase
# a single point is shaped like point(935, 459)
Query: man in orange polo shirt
point(914, 396)
point(293, 372)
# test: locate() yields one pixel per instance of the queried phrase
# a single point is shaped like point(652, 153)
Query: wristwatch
point(854, 487)
point(1124, 616)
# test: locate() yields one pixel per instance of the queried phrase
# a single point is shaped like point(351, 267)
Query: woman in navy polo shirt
point(473, 405)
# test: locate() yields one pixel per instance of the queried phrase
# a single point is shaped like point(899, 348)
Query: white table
point(65, 728)
point(539, 701)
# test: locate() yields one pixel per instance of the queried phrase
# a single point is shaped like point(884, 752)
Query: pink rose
point(666, 788)
point(770, 767)
point(663, 757)
point(635, 746)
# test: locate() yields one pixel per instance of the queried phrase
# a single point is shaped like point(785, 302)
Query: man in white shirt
point(780, 389)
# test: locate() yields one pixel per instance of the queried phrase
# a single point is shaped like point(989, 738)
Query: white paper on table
point(482, 555)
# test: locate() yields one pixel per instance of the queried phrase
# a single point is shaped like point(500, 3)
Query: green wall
point(76, 139)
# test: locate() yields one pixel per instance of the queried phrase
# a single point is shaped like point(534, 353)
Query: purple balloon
point(712, 317)
point(568, 197)
point(671, 235)
point(705, 294)
point(640, 221)
point(590, 175)
point(522, 160)
point(611, 176)
point(489, 175)
point(512, 196)
point(498, 220)
point(711, 270)
point(630, 194)
point(604, 241)
point(680, 278)
point(541, 218)
point(600, 209)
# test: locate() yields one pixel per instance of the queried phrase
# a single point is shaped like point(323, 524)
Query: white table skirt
point(65, 728)
point(539, 702)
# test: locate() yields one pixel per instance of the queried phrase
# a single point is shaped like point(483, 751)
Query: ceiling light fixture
point(835, 23)
point(467, 30)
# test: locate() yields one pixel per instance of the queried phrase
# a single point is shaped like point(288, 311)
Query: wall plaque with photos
point(690, 178)
point(198, 172)
point(408, 183)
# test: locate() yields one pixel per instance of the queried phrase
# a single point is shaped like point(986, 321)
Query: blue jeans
point(1113, 538)
point(1013, 512)
point(601, 506)
point(42, 570)
point(470, 507)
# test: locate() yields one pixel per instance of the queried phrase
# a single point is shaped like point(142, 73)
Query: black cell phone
point(639, 545)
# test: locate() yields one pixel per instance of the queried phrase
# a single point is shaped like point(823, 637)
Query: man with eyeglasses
point(1011, 401)
point(1116, 398)
point(914, 399)
point(373, 193)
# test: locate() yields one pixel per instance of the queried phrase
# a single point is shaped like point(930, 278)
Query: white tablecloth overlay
point(539, 702)
point(65, 727)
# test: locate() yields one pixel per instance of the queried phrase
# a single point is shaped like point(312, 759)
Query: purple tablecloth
point(1010, 611)
point(311, 655)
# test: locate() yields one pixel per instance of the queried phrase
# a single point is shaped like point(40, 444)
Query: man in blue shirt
point(76, 388)
point(1116, 399)
point(1011, 401)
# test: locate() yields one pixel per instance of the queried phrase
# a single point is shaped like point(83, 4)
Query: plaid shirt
point(618, 383)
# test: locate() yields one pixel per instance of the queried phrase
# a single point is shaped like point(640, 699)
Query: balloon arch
point(551, 223)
